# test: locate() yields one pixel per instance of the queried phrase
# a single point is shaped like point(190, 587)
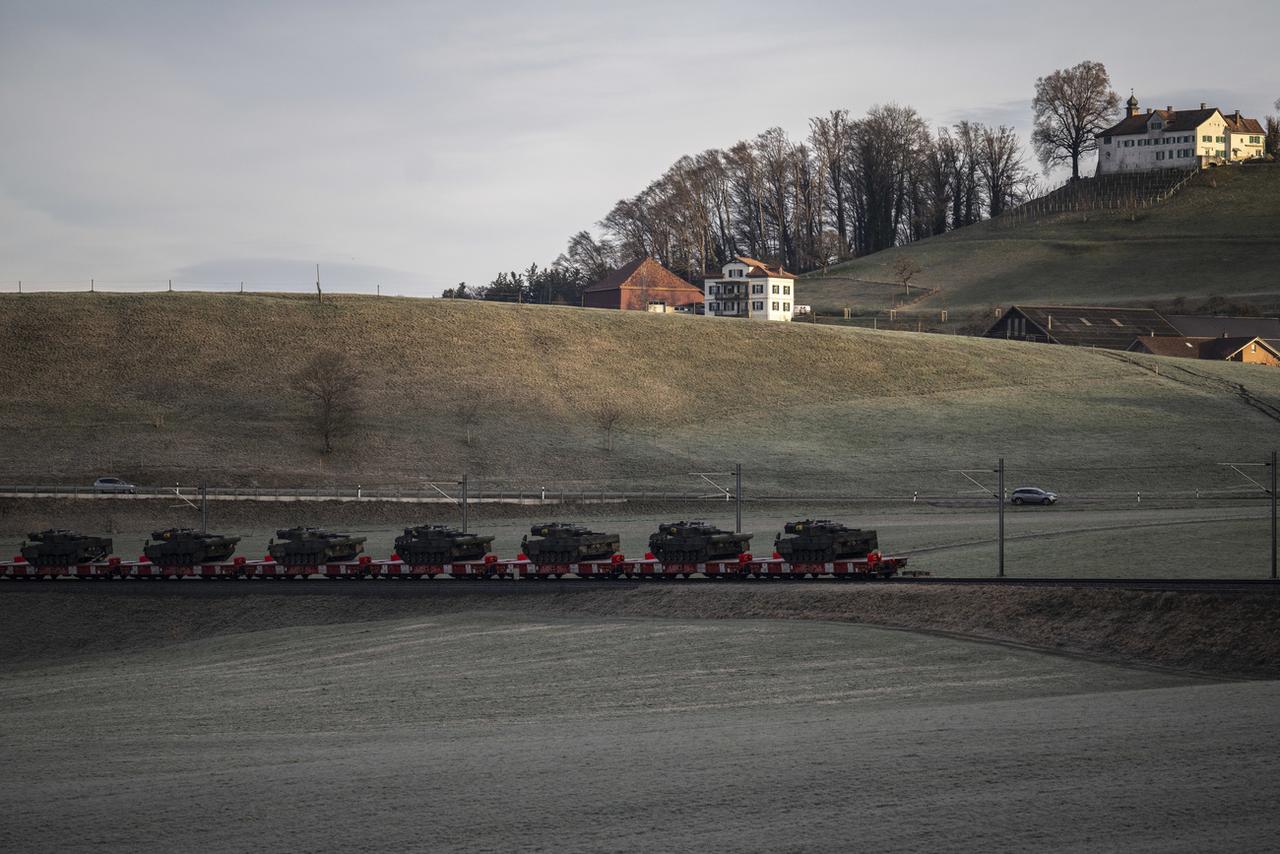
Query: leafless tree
point(904, 270)
point(469, 413)
point(607, 418)
point(329, 387)
point(1071, 107)
point(1000, 163)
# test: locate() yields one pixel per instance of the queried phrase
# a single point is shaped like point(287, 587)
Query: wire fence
point(1121, 192)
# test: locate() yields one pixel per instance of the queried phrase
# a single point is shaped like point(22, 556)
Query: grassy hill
point(1219, 236)
point(184, 387)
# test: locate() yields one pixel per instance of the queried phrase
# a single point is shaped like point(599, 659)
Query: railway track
point(389, 587)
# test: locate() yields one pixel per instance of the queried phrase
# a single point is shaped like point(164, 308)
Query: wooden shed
point(1253, 351)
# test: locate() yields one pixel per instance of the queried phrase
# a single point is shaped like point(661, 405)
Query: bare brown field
point(187, 387)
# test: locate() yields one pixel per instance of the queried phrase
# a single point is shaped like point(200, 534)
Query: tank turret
point(313, 546)
point(696, 542)
point(188, 547)
point(60, 547)
point(822, 541)
point(561, 543)
point(436, 545)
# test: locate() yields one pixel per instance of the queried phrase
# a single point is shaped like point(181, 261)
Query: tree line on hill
point(853, 186)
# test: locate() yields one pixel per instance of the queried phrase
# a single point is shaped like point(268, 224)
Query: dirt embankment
point(1235, 634)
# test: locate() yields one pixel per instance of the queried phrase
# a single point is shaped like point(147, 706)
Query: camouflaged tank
point(696, 542)
point(436, 545)
point(822, 541)
point(313, 546)
point(60, 547)
point(188, 547)
point(562, 543)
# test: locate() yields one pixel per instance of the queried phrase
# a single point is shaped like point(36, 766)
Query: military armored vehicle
point(60, 547)
point(696, 542)
point(313, 546)
point(436, 545)
point(188, 547)
point(561, 543)
point(822, 541)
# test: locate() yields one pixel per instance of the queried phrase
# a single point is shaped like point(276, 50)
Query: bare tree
point(469, 413)
point(607, 418)
point(328, 386)
point(1273, 133)
point(904, 270)
point(1004, 176)
point(1072, 106)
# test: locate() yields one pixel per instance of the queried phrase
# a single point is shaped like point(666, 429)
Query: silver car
point(113, 484)
point(1032, 495)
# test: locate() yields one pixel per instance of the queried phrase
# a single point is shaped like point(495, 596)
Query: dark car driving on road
point(1032, 495)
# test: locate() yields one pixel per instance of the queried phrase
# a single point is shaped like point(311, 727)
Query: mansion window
point(758, 305)
point(775, 305)
point(775, 290)
point(786, 290)
point(757, 289)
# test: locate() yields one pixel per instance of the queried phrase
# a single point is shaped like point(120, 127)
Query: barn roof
point(1225, 348)
point(1210, 326)
point(1169, 345)
point(1093, 326)
point(643, 273)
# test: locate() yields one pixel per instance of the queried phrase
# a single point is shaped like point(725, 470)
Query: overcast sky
point(421, 144)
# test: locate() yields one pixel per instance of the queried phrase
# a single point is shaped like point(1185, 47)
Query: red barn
point(639, 285)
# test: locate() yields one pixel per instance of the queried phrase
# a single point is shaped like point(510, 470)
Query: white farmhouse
point(1177, 139)
point(750, 288)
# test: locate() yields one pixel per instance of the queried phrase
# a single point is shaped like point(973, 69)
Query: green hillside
point(184, 387)
point(1219, 236)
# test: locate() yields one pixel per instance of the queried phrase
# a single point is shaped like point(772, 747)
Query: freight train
point(808, 549)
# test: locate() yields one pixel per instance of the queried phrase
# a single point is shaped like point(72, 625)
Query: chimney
point(1169, 108)
point(1237, 115)
point(1203, 105)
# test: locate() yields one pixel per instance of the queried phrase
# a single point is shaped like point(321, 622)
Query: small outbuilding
point(1253, 351)
point(642, 285)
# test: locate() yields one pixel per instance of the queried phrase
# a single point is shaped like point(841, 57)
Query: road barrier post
point(737, 495)
point(1000, 505)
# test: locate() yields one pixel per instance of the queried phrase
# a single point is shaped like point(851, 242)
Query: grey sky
point(419, 144)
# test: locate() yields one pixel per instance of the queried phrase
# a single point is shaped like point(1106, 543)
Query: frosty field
point(461, 729)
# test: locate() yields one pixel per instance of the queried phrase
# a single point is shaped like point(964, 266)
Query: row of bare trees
point(852, 187)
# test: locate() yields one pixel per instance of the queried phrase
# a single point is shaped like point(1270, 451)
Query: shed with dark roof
point(1080, 326)
point(640, 284)
point(1252, 350)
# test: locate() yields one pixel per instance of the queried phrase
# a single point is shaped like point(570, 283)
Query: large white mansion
point(1177, 139)
point(750, 288)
